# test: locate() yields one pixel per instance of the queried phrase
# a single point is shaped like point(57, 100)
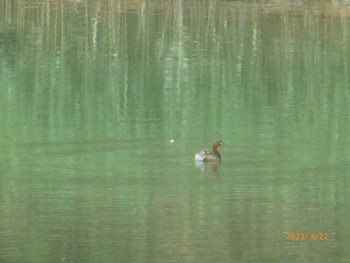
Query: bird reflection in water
point(208, 167)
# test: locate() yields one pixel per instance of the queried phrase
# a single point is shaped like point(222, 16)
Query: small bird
point(207, 156)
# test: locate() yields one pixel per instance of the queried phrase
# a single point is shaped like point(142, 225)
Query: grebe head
point(218, 143)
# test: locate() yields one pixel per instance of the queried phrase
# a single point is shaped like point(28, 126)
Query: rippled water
point(104, 104)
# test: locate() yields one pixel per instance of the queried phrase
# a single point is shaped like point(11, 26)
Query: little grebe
point(207, 156)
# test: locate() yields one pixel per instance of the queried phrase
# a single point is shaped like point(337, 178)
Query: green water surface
point(104, 103)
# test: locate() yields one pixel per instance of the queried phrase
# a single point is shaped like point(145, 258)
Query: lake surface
point(104, 103)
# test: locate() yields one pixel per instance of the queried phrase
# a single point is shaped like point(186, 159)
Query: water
point(104, 104)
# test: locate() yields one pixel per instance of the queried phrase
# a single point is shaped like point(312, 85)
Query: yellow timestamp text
point(306, 236)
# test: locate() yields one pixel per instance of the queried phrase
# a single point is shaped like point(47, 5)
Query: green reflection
point(92, 92)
